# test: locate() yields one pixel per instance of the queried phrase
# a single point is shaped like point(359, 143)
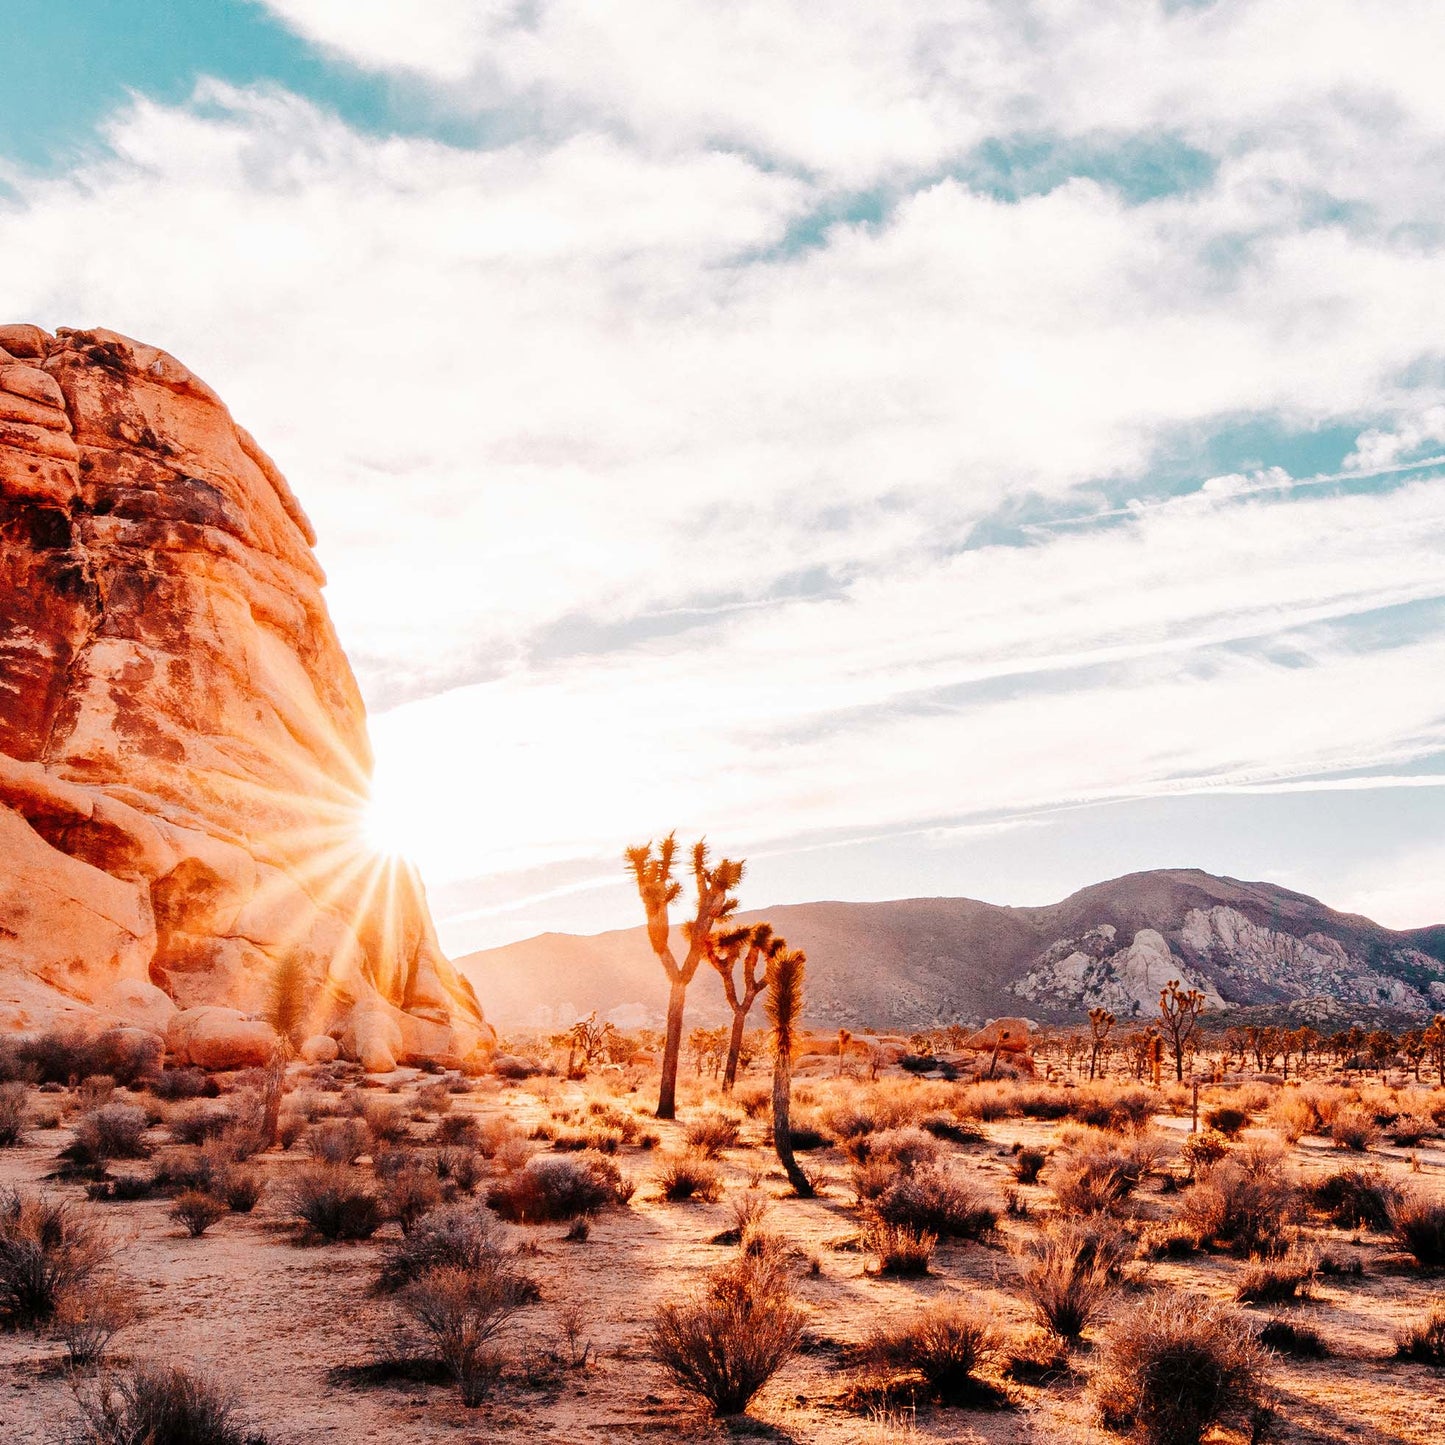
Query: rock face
point(183, 751)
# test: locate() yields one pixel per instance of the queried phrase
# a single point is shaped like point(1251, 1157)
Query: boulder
point(320, 1049)
point(220, 1038)
point(183, 754)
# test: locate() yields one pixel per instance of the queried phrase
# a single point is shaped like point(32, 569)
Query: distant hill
point(918, 962)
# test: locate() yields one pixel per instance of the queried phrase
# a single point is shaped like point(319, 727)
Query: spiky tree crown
point(785, 994)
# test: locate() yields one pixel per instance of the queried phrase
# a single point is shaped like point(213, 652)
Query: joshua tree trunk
point(783, 1125)
point(671, 1049)
point(735, 1049)
point(785, 1007)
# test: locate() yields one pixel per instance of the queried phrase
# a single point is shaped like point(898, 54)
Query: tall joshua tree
point(785, 1007)
point(1100, 1022)
point(750, 947)
point(659, 890)
point(1179, 1011)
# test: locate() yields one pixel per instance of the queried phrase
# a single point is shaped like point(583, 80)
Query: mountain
point(919, 962)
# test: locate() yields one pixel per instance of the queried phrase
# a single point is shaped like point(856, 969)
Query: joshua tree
point(1100, 1022)
point(1179, 1011)
point(750, 946)
point(785, 1007)
point(659, 890)
point(1434, 1040)
point(844, 1039)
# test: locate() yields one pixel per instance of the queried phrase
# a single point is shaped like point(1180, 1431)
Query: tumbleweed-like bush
point(332, 1203)
point(155, 1404)
point(46, 1250)
point(1067, 1274)
point(549, 1188)
point(945, 1343)
point(1419, 1226)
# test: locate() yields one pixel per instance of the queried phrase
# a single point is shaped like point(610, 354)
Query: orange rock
point(183, 750)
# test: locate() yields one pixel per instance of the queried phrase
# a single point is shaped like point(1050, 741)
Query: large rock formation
point(183, 751)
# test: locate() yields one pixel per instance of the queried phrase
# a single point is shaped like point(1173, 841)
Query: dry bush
point(1354, 1129)
point(456, 1236)
point(1027, 1165)
point(905, 1148)
point(710, 1134)
point(12, 1115)
point(1292, 1115)
point(1423, 1342)
point(409, 1193)
point(1098, 1174)
point(46, 1251)
point(154, 1404)
point(1354, 1198)
point(754, 1100)
point(338, 1141)
point(724, 1343)
point(1175, 1365)
point(1239, 1207)
point(901, 1249)
point(175, 1085)
point(548, 1189)
point(199, 1122)
point(465, 1129)
point(331, 1203)
point(386, 1119)
point(1418, 1225)
point(434, 1098)
point(940, 1202)
point(240, 1189)
point(988, 1102)
point(687, 1177)
point(1411, 1129)
point(1067, 1274)
point(1285, 1280)
point(1203, 1150)
point(1112, 1106)
point(945, 1343)
point(459, 1166)
point(114, 1131)
point(196, 1211)
point(90, 1315)
point(464, 1310)
point(290, 1127)
point(1227, 1120)
point(1288, 1337)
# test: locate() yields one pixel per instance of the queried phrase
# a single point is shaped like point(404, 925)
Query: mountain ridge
point(918, 962)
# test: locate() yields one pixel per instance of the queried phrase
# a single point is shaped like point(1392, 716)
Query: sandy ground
point(274, 1319)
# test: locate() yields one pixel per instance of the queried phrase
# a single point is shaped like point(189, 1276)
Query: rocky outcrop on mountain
point(920, 962)
point(183, 751)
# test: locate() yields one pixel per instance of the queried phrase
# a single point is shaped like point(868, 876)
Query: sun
point(392, 824)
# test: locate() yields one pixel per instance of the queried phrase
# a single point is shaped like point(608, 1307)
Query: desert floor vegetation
point(537, 1257)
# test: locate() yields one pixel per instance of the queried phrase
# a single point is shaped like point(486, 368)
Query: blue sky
point(975, 448)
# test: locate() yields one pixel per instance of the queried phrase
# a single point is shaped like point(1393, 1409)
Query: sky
point(975, 447)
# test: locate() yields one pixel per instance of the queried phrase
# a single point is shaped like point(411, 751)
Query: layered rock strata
point(183, 750)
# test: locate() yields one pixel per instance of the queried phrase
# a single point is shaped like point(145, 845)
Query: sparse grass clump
point(1067, 1274)
point(710, 1134)
point(1028, 1163)
point(1288, 1337)
point(12, 1114)
point(1419, 1226)
point(114, 1131)
point(938, 1202)
point(1175, 1365)
point(89, 1316)
point(1424, 1343)
point(945, 1343)
point(1280, 1281)
point(1355, 1198)
point(46, 1252)
point(1354, 1129)
point(330, 1202)
point(153, 1404)
point(687, 1177)
point(551, 1188)
point(196, 1211)
point(901, 1249)
point(724, 1343)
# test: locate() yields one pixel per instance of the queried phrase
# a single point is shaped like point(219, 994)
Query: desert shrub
point(338, 1141)
point(1411, 1129)
point(198, 1121)
point(1174, 1365)
point(1354, 1129)
point(1278, 1281)
point(459, 1166)
point(197, 1212)
point(549, 1188)
point(464, 1310)
point(46, 1251)
point(129, 1056)
point(290, 1127)
point(1233, 1206)
point(710, 1134)
point(175, 1085)
point(1168, 1239)
point(408, 1194)
point(1418, 1225)
point(123, 1188)
point(455, 1236)
point(901, 1249)
point(1093, 1181)
point(331, 1203)
point(114, 1131)
point(1291, 1338)
point(387, 1120)
point(945, 1342)
point(1043, 1102)
point(806, 1137)
point(939, 1202)
point(1423, 1342)
point(12, 1115)
point(686, 1177)
point(462, 1129)
point(154, 1404)
point(724, 1343)
point(60, 1056)
point(1109, 1106)
point(240, 1189)
point(1027, 1164)
point(88, 1316)
point(1354, 1198)
point(1203, 1150)
point(435, 1098)
point(1227, 1120)
point(907, 1148)
point(1067, 1276)
point(189, 1168)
